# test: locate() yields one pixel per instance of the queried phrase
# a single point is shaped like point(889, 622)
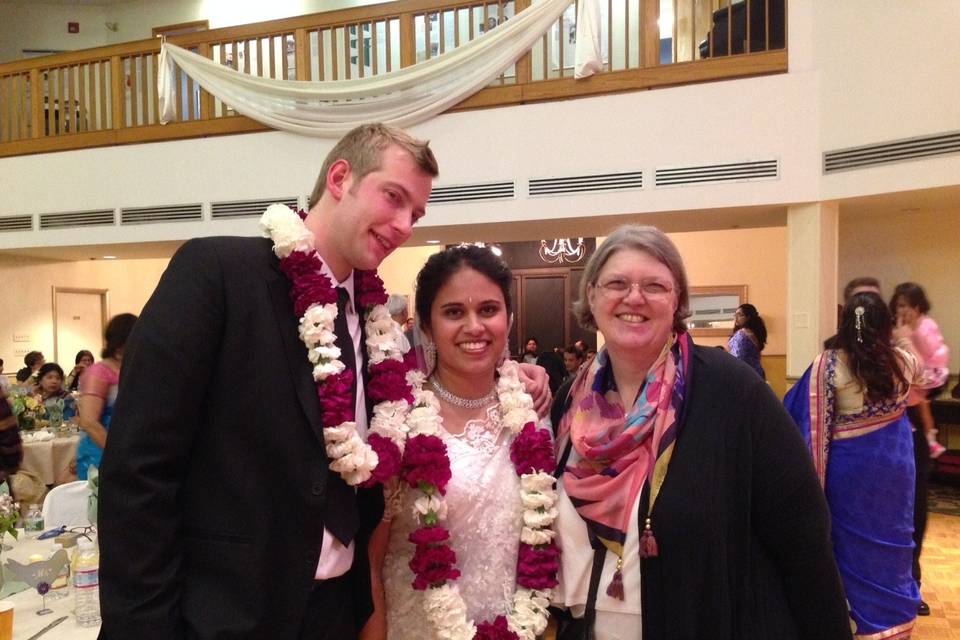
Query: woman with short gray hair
point(687, 506)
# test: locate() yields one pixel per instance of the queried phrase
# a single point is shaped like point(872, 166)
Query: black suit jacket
point(215, 480)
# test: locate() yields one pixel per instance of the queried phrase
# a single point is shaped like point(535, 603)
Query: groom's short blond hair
point(363, 147)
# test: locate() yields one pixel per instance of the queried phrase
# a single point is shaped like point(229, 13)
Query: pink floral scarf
point(617, 450)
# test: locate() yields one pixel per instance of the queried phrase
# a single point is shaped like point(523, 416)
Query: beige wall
point(28, 297)
point(29, 284)
point(754, 257)
point(902, 246)
point(399, 270)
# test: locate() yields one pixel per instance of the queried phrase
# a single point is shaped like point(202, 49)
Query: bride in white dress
point(463, 305)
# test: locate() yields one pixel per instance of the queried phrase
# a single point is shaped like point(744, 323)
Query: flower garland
point(426, 467)
point(315, 303)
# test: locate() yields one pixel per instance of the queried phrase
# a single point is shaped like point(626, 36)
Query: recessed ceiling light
point(109, 257)
point(433, 242)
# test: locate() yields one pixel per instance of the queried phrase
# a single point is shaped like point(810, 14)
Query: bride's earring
point(506, 347)
point(504, 356)
point(430, 356)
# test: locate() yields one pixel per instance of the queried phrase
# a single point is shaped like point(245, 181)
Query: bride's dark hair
point(440, 267)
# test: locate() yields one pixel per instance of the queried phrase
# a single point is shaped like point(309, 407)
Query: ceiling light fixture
point(562, 250)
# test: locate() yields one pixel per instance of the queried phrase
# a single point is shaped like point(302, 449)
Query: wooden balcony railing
point(108, 95)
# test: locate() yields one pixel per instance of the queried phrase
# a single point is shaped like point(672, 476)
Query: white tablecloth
point(50, 459)
point(26, 622)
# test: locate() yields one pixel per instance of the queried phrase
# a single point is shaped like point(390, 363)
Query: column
point(812, 231)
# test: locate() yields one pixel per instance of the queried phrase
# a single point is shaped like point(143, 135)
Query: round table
point(50, 459)
point(26, 603)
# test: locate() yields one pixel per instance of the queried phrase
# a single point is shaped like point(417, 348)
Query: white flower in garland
point(383, 335)
point(424, 416)
point(529, 616)
point(288, 232)
point(535, 536)
point(416, 378)
point(537, 483)
point(447, 612)
point(515, 405)
point(538, 499)
point(389, 420)
point(434, 504)
point(539, 518)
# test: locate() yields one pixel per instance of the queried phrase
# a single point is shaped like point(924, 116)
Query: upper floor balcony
point(108, 95)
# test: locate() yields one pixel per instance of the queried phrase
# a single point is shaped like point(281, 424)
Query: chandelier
point(562, 250)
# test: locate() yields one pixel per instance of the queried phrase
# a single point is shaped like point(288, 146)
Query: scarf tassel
point(648, 543)
point(615, 588)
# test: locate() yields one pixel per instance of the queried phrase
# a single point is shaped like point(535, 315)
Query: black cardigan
point(741, 521)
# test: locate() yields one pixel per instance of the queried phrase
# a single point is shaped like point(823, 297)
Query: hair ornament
point(858, 322)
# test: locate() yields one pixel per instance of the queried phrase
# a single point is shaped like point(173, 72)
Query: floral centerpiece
point(9, 516)
point(30, 411)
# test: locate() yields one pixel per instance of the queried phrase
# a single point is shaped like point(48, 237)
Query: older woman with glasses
point(688, 507)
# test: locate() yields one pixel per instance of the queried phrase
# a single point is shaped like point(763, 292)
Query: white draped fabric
point(588, 58)
point(401, 98)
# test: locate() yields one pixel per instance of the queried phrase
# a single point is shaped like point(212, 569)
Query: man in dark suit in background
point(219, 516)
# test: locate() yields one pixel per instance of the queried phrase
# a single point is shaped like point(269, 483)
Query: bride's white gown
point(484, 520)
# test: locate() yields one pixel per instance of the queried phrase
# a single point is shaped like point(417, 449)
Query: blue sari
point(866, 466)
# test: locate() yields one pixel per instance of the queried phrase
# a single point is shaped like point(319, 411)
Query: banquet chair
point(66, 505)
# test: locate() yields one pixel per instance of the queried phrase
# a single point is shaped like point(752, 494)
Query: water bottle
point(86, 584)
point(33, 521)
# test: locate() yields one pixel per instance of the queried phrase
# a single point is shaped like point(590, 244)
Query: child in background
point(910, 306)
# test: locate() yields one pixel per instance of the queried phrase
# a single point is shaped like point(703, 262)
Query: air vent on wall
point(97, 218)
point(16, 223)
point(714, 173)
point(171, 213)
point(469, 192)
point(247, 208)
point(887, 152)
point(582, 184)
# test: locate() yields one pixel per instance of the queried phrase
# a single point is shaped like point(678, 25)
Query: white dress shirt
point(336, 559)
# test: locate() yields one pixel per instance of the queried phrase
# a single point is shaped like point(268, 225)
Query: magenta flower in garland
point(425, 462)
point(369, 288)
point(335, 398)
point(433, 565)
point(496, 630)
point(429, 535)
point(537, 566)
point(389, 456)
point(388, 381)
point(532, 450)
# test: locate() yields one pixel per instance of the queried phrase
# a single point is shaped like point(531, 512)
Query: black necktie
point(341, 517)
point(345, 340)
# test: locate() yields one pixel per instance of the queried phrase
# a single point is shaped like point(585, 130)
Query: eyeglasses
point(618, 287)
point(86, 532)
